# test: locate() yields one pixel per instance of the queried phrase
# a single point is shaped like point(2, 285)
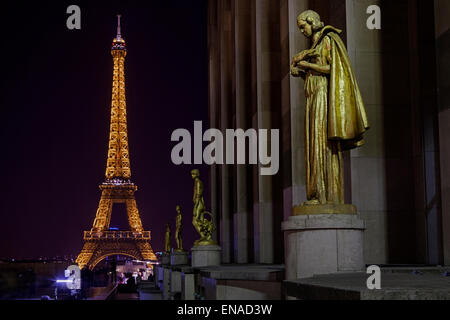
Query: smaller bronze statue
point(179, 228)
point(167, 246)
point(203, 226)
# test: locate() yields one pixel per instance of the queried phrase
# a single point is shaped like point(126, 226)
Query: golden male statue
point(203, 226)
point(179, 228)
point(167, 246)
point(335, 118)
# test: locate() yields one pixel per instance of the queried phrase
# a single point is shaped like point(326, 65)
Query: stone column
point(254, 124)
point(268, 53)
point(243, 99)
point(293, 95)
point(226, 69)
point(442, 11)
point(293, 108)
point(425, 132)
point(214, 102)
point(368, 163)
point(387, 173)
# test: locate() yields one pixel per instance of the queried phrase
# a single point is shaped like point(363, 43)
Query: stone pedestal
point(166, 284)
point(206, 256)
point(179, 258)
point(323, 244)
point(187, 286)
point(165, 259)
point(159, 276)
point(175, 284)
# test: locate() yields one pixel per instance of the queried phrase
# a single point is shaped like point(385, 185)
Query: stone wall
point(245, 92)
point(442, 12)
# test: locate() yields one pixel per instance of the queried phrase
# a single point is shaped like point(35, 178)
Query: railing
point(117, 235)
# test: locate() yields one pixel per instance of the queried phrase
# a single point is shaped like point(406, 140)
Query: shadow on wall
point(443, 50)
point(408, 98)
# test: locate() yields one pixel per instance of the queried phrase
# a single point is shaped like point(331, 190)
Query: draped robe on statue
point(335, 119)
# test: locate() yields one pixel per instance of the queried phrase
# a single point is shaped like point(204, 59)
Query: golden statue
point(203, 226)
point(167, 245)
point(335, 118)
point(179, 228)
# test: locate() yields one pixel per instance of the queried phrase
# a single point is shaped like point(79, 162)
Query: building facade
point(399, 181)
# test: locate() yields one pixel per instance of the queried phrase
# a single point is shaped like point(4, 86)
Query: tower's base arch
point(96, 250)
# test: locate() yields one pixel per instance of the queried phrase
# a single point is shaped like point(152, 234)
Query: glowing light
point(64, 281)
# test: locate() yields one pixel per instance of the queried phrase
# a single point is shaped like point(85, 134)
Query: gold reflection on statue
point(203, 226)
point(335, 117)
point(179, 228)
point(167, 246)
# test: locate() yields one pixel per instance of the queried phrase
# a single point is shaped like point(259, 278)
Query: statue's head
point(309, 22)
point(167, 227)
point(195, 173)
point(178, 208)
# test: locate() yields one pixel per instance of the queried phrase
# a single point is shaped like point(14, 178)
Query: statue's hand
point(304, 65)
point(295, 72)
point(297, 58)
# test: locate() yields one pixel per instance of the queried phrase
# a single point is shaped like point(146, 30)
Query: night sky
point(55, 102)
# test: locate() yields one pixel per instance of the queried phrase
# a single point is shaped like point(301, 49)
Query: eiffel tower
point(100, 242)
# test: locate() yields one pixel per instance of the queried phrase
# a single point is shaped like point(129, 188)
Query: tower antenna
point(119, 35)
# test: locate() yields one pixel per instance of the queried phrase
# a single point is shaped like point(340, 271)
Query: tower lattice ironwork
point(100, 242)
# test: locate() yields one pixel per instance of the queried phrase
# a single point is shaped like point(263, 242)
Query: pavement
point(396, 284)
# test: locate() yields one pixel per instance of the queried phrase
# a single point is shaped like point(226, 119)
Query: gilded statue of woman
point(335, 118)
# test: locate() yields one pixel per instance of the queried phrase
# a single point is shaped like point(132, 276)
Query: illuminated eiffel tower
point(100, 242)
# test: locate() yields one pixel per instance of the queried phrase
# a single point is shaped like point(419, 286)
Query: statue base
point(179, 258)
point(206, 256)
point(165, 259)
point(199, 243)
point(323, 244)
point(306, 209)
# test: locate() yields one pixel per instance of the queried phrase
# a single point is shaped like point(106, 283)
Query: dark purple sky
point(55, 102)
